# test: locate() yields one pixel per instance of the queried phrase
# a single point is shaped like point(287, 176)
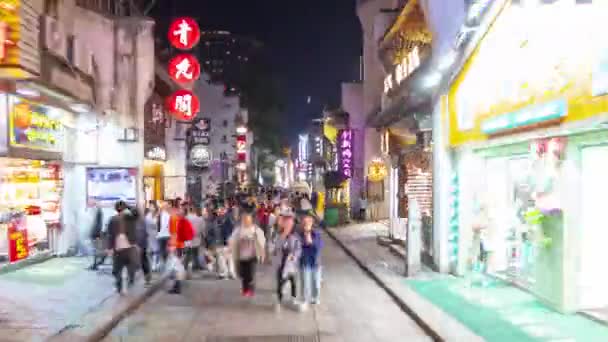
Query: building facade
point(68, 106)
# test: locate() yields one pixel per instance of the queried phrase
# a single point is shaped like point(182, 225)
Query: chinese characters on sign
point(184, 68)
point(184, 33)
point(408, 64)
point(17, 239)
point(241, 148)
point(31, 126)
point(198, 133)
point(345, 152)
point(200, 156)
point(183, 105)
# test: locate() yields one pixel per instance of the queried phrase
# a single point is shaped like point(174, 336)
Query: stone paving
point(42, 300)
point(353, 309)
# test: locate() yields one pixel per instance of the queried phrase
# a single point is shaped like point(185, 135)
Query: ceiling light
point(28, 92)
point(80, 107)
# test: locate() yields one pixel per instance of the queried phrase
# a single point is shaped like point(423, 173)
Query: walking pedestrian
point(195, 217)
point(97, 238)
point(247, 246)
point(224, 258)
point(310, 260)
point(151, 224)
point(362, 207)
point(143, 242)
point(164, 233)
point(182, 234)
point(121, 243)
point(286, 257)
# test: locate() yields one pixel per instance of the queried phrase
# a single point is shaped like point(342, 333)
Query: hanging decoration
point(184, 68)
point(183, 105)
point(184, 33)
point(377, 170)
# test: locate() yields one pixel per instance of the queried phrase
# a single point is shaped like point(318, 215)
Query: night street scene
point(303, 171)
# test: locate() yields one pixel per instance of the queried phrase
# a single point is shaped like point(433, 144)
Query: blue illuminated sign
point(525, 117)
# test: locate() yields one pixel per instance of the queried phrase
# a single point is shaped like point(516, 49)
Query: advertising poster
point(35, 126)
point(17, 240)
point(105, 186)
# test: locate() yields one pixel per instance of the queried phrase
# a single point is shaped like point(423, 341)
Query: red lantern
point(184, 68)
point(183, 105)
point(184, 33)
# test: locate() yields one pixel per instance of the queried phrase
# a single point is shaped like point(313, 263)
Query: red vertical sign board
point(17, 240)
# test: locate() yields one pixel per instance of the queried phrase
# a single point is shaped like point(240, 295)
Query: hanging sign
point(184, 33)
point(198, 134)
point(32, 126)
point(241, 147)
point(200, 156)
point(184, 68)
point(377, 171)
point(183, 105)
point(345, 152)
point(408, 64)
point(157, 153)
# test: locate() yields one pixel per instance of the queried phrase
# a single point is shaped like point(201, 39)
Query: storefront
point(31, 177)
point(154, 161)
point(527, 124)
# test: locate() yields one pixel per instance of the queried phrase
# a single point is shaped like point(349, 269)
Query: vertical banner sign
point(184, 33)
point(184, 68)
point(17, 240)
point(345, 152)
point(183, 105)
point(241, 148)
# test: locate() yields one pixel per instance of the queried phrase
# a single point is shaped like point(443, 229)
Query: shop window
point(224, 139)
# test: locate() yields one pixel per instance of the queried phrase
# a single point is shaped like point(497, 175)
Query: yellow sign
point(19, 30)
point(530, 57)
point(31, 127)
point(377, 171)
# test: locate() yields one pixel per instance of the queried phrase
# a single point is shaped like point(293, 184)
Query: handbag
point(176, 267)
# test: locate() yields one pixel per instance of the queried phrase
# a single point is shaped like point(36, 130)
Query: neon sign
point(408, 64)
point(345, 152)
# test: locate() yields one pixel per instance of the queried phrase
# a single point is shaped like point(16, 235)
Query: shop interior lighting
point(241, 130)
point(80, 107)
point(27, 92)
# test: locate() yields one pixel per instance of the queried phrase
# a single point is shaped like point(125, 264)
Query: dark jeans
point(281, 282)
point(124, 258)
point(247, 273)
point(163, 244)
point(192, 257)
point(145, 263)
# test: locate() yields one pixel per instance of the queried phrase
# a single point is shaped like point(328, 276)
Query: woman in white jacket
point(247, 245)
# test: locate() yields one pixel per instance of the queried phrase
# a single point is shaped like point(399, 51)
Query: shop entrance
point(593, 279)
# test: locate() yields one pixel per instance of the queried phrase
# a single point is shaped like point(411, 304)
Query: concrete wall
point(124, 81)
point(374, 24)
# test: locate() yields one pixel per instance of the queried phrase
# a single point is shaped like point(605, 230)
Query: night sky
point(313, 45)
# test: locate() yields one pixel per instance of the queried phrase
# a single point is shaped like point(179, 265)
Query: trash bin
point(331, 216)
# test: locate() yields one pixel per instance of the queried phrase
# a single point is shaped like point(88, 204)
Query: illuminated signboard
point(35, 126)
point(183, 105)
point(19, 34)
point(200, 156)
point(156, 153)
point(408, 64)
point(345, 152)
point(184, 68)
point(529, 57)
point(184, 33)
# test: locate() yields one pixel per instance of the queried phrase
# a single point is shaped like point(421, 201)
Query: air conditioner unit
point(55, 40)
point(83, 56)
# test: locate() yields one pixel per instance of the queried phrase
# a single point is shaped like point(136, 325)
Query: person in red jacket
point(182, 236)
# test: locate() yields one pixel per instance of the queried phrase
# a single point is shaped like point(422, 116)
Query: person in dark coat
point(97, 238)
point(122, 242)
point(144, 245)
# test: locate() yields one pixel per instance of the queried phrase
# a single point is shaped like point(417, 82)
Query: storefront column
point(442, 173)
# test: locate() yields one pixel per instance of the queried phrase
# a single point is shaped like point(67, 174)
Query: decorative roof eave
point(408, 30)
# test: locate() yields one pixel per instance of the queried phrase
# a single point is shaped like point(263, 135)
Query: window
point(70, 49)
point(224, 139)
point(225, 123)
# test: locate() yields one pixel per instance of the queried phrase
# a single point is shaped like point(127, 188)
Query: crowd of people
point(227, 237)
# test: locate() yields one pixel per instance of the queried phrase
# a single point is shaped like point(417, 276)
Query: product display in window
point(30, 197)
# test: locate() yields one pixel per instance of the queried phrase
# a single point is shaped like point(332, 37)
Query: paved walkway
point(353, 309)
point(39, 301)
point(461, 311)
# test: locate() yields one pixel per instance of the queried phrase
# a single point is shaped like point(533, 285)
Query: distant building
point(225, 57)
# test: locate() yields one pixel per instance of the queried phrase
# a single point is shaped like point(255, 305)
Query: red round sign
point(184, 33)
point(183, 105)
point(184, 68)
